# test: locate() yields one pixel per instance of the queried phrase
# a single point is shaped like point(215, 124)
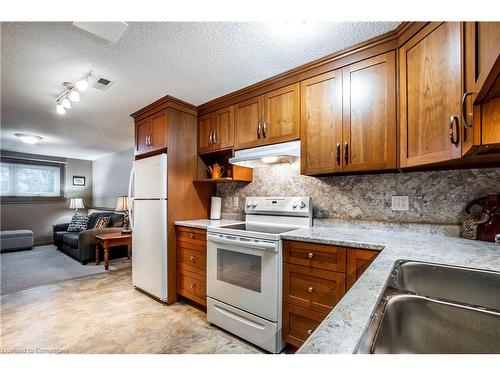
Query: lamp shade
point(122, 203)
point(76, 203)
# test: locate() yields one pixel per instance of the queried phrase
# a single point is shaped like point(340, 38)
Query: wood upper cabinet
point(369, 121)
point(482, 57)
point(216, 130)
point(151, 133)
point(268, 118)
point(348, 118)
point(159, 131)
point(321, 123)
point(430, 95)
point(281, 115)
point(248, 115)
point(142, 131)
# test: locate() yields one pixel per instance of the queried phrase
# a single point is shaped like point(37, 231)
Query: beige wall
point(39, 217)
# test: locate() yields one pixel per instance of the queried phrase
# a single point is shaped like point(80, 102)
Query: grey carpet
point(45, 265)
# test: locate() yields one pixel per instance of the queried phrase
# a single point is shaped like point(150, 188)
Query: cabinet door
point(248, 116)
point(369, 120)
point(321, 123)
point(281, 115)
point(224, 128)
point(142, 131)
point(159, 131)
point(205, 129)
point(431, 93)
point(482, 50)
point(357, 263)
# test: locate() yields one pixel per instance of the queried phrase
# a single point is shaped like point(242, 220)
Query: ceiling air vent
point(102, 83)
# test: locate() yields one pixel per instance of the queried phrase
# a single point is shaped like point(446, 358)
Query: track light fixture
point(71, 93)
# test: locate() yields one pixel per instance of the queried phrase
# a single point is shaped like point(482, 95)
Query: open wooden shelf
point(238, 174)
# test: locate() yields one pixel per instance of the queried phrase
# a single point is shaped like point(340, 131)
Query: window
point(31, 179)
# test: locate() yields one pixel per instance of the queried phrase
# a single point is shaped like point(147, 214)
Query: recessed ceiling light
point(29, 138)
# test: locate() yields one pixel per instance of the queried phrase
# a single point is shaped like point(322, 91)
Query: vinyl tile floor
point(104, 314)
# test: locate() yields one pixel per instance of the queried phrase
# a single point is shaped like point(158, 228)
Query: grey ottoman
point(15, 240)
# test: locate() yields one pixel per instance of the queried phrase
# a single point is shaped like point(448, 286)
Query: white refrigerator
point(148, 219)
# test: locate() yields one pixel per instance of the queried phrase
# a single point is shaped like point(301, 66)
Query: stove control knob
point(254, 205)
point(294, 205)
point(249, 204)
point(302, 204)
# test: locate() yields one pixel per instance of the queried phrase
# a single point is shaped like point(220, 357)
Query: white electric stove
point(244, 278)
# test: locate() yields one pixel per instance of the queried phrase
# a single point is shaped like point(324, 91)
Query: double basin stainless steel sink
point(434, 308)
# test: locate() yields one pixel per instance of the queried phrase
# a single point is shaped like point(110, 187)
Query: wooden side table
point(108, 240)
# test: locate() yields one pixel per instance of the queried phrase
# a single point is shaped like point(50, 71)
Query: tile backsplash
point(436, 197)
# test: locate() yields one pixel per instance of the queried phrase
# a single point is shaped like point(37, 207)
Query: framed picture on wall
point(78, 180)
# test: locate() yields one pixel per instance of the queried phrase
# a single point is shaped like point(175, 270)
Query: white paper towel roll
point(215, 209)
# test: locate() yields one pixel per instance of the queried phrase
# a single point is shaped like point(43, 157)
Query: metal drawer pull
point(310, 255)
point(464, 117)
point(264, 129)
point(259, 130)
point(454, 121)
point(338, 153)
point(191, 235)
point(193, 286)
point(309, 332)
point(346, 153)
point(192, 258)
point(310, 289)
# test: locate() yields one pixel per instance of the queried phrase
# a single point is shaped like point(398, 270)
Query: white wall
point(110, 176)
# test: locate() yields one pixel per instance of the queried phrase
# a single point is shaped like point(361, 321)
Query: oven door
point(244, 273)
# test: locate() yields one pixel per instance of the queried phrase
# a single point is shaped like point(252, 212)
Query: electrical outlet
point(236, 203)
point(400, 203)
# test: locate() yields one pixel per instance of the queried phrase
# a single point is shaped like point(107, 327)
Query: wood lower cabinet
point(357, 262)
point(315, 278)
point(269, 118)
point(431, 91)
point(348, 118)
point(216, 130)
point(192, 264)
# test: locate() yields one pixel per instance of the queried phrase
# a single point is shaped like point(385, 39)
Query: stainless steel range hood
point(256, 157)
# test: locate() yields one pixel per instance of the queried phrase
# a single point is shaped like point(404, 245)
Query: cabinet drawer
point(330, 258)
point(313, 288)
point(192, 286)
point(192, 260)
point(299, 323)
point(193, 235)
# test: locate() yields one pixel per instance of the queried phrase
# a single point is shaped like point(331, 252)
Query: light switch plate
point(400, 203)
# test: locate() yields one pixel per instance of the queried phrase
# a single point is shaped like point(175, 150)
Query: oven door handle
point(253, 245)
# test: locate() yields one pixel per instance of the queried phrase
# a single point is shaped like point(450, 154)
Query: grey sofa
point(81, 245)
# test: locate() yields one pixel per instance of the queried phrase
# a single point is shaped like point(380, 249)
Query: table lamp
point(122, 206)
point(76, 203)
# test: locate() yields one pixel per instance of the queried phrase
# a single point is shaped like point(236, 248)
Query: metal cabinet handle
point(210, 141)
point(309, 332)
point(191, 235)
point(215, 136)
point(310, 255)
point(338, 153)
point(259, 130)
point(310, 289)
point(264, 129)
point(193, 286)
point(454, 121)
point(464, 118)
point(192, 258)
point(346, 152)
point(149, 139)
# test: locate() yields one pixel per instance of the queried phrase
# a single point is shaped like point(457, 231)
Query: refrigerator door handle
point(130, 199)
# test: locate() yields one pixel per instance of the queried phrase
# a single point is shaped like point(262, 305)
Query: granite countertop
point(342, 328)
point(205, 223)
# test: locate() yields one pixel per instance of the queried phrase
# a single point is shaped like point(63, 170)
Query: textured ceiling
point(195, 62)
